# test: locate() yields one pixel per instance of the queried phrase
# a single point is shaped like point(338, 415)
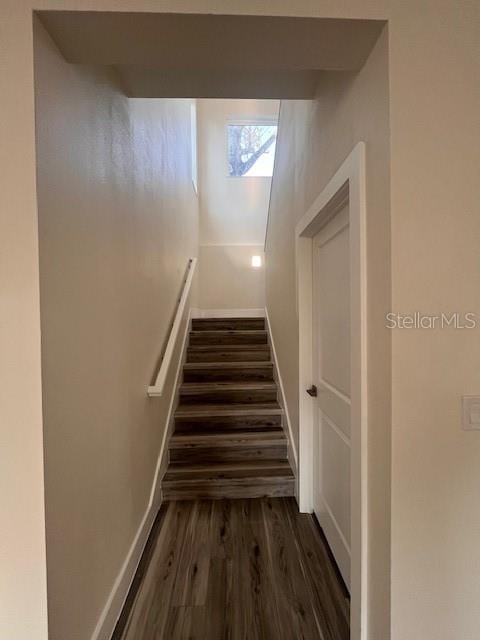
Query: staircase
point(228, 440)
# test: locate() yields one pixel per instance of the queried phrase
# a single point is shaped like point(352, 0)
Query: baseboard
point(111, 612)
point(293, 456)
point(228, 313)
point(116, 600)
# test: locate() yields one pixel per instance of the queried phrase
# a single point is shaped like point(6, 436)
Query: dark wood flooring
point(235, 570)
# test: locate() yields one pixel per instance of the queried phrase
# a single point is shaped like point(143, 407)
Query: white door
point(331, 369)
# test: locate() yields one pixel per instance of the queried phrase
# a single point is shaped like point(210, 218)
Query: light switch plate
point(471, 413)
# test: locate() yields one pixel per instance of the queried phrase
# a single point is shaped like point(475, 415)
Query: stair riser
point(253, 396)
point(261, 472)
point(264, 374)
point(228, 356)
point(247, 324)
point(213, 424)
point(274, 490)
point(194, 455)
point(228, 338)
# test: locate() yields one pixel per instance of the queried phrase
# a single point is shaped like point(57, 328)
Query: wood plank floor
point(235, 570)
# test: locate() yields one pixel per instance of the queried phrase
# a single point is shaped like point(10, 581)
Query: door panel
point(333, 291)
point(335, 466)
point(332, 327)
point(335, 407)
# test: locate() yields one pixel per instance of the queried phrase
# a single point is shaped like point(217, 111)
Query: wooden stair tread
point(228, 365)
point(229, 347)
point(230, 479)
point(205, 410)
point(231, 470)
point(231, 439)
point(226, 332)
point(276, 488)
point(231, 319)
point(226, 392)
point(205, 428)
point(230, 466)
point(227, 424)
point(204, 387)
point(228, 336)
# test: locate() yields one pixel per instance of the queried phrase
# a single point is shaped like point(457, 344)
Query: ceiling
point(189, 55)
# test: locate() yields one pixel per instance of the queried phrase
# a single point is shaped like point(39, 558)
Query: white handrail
point(157, 388)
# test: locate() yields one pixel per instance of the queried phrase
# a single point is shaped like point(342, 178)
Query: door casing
point(348, 184)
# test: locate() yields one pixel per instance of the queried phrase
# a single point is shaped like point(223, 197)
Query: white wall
point(315, 137)
point(233, 210)
point(118, 220)
point(228, 280)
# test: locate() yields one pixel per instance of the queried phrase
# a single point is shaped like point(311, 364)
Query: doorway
point(331, 376)
point(331, 285)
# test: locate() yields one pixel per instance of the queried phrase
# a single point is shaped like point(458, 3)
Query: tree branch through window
point(251, 149)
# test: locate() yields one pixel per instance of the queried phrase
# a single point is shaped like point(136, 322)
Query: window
point(251, 148)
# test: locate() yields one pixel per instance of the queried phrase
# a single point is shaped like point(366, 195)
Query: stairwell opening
point(123, 206)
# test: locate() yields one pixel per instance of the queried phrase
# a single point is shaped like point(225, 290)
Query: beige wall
point(233, 211)
point(227, 279)
point(23, 593)
point(315, 138)
point(435, 228)
point(434, 96)
point(118, 220)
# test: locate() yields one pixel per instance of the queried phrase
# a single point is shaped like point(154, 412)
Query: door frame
point(347, 185)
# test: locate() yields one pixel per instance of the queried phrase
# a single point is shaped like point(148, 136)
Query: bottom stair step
point(234, 480)
point(272, 478)
point(208, 492)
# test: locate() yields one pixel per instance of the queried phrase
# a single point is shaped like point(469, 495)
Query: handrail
point(157, 388)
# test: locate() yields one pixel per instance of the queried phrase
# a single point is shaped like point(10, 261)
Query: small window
point(251, 149)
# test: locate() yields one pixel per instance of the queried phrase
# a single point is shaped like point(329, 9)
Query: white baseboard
point(283, 400)
point(228, 313)
point(112, 610)
point(116, 600)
